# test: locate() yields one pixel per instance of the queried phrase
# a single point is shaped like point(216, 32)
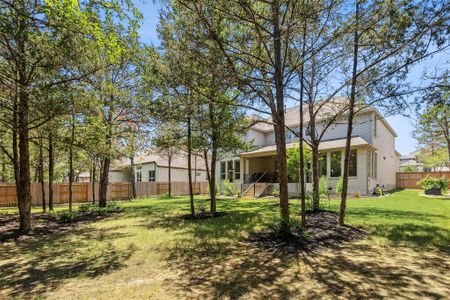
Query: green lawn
point(146, 252)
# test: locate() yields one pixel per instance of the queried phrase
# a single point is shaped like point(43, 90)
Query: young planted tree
point(168, 143)
point(257, 59)
point(387, 41)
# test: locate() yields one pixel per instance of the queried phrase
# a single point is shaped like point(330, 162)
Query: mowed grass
point(149, 252)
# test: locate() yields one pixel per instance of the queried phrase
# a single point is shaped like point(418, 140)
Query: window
point(198, 174)
point(152, 175)
point(335, 158)
point(322, 164)
point(288, 136)
point(353, 163)
point(374, 164)
point(308, 173)
point(237, 169)
point(230, 165)
point(139, 173)
point(222, 170)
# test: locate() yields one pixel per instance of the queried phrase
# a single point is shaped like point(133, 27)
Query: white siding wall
point(362, 127)
point(177, 174)
point(388, 161)
point(118, 176)
point(256, 136)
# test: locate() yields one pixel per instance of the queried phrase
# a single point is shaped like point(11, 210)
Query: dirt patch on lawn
point(46, 223)
point(322, 232)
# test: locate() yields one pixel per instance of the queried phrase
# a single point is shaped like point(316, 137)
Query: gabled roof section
point(326, 109)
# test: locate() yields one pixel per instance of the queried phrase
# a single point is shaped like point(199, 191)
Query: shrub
point(66, 216)
point(323, 185)
point(429, 182)
point(110, 207)
point(165, 196)
point(339, 185)
point(275, 193)
point(201, 210)
point(86, 207)
point(228, 188)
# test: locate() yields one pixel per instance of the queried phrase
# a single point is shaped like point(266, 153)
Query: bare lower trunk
point(212, 181)
point(170, 177)
point(24, 183)
point(350, 122)
point(133, 181)
point(189, 146)
point(51, 164)
point(71, 162)
point(41, 177)
point(315, 175)
point(302, 158)
point(94, 169)
point(104, 182)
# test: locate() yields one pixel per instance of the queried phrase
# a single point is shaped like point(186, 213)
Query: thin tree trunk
point(41, 176)
point(350, 119)
point(133, 181)
point(278, 117)
point(212, 184)
point(72, 137)
point(302, 159)
point(24, 183)
point(315, 175)
point(104, 182)
point(170, 176)
point(189, 146)
point(51, 164)
point(104, 177)
point(94, 169)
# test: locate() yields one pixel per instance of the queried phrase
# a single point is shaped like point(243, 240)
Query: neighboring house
point(373, 156)
point(154, 167)
point(411, 161)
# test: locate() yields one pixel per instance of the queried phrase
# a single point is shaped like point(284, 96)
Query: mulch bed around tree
point(203, 216)
point(323, 232)
point(45, 223)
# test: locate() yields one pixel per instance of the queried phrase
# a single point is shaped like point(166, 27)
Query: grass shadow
point(47, 262)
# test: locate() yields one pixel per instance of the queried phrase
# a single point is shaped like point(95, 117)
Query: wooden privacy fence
point(82, 191)
point(408, 180)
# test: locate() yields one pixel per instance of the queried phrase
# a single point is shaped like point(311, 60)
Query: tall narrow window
point(152, 175)
point(139, 173)
point(352, 168)
point(374, 166)
point(237, 169)
point(223, 172)
point(322, 164)
point(335, 160)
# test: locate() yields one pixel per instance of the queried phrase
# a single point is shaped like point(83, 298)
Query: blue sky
point(404, 126)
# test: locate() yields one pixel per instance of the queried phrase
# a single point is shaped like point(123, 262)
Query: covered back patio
point(260, 167)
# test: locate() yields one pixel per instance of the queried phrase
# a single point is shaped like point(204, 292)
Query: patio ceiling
point(326, 145)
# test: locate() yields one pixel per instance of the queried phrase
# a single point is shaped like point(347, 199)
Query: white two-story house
point(374, 159)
